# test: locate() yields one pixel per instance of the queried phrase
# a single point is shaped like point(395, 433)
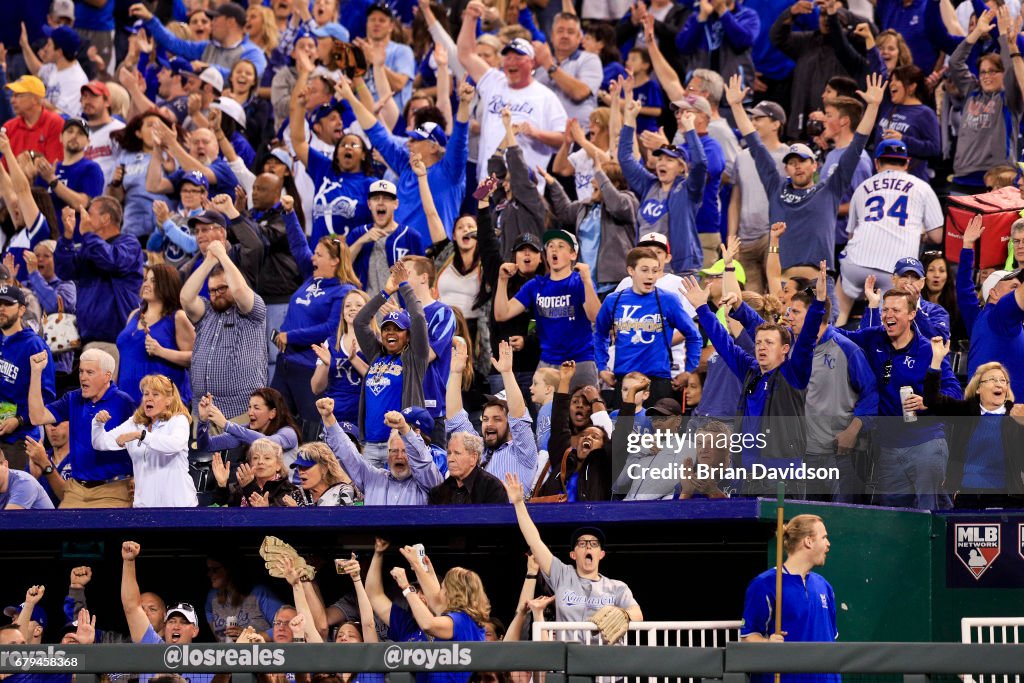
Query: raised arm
point(667, 77)
point(734, 95)
point(191, 303)
point(20, 185)
point(37, 412)
point(297, 111)
point(366, 619)
point(244, 297)
point(131, 599)
point(514, 489)
point(437, 231)
point(379, 601)
point(474, 64)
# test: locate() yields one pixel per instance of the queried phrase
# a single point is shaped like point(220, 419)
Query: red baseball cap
point(97, 88)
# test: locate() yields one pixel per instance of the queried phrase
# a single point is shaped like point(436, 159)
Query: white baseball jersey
point(888, 214)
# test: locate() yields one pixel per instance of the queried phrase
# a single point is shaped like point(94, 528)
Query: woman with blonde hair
point(156, 438)
point(262, 482)
point(322, 481)
point(464, 610)
point(986, 463)
point(340, 369)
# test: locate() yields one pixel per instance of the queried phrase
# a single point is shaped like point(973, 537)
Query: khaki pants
point(109, 348)
point(752, 257)
point(709, 242)
point(116, 494)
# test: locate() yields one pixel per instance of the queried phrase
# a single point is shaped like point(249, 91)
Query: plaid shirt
point(518, 454)
point(229, 359)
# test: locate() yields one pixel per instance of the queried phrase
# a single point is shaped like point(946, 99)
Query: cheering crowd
point(394, 254)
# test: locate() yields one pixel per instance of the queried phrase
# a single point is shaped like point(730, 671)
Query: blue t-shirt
point(383, 393)
point(544, 426)
point(23, 490)
point(863, 171)
point(138, 202)
point(463, 629)
point(808, 616)
point(84, 176)
point(986, 462)
point(562, 324)
point(340, 200)
point(344, 384)
point(649, 95)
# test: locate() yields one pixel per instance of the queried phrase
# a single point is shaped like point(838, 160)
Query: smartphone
point(485, 188)
point(273, 335)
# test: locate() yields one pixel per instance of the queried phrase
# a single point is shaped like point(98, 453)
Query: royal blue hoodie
point(15, 370)
point(684, 198)
point(996, 330)
point(108, 276)
point(315, 308)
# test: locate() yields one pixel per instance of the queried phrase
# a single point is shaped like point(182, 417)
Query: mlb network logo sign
point(977, 546)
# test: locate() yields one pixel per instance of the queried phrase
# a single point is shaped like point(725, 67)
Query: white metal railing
point(992, 630)
point(646, 634)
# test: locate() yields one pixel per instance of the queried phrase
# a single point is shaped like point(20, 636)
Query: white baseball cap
point(383, 187)
point(63, 9)
point(654, 239)
point(230, 108)
point(213, 77)
point(994, 279)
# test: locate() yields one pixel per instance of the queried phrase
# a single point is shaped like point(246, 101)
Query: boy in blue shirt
point(564, 303)
point(808, 601)
point(19, 490)
point(644, 322)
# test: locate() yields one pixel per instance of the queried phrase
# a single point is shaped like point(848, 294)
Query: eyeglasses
point(192, 190)
point(184, 606)
point(280, 623)
point(887, 372)
point(203, 229)
point(217, 291)
point(1018, 243)
point(995, 380)
point(589, 543)
point(989, 72)
point(934, 252)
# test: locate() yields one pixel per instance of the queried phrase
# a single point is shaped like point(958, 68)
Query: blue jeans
point(912, 476)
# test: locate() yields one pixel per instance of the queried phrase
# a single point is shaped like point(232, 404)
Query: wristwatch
point(48, 470)
point(552, 69)
point(53, 184)
point(407, 590)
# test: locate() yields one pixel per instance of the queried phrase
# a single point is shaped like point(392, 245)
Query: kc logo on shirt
point(652, 210)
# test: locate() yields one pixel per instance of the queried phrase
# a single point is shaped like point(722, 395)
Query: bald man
point(279, 273)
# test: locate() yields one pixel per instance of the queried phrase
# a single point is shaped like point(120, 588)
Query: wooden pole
point(779, 524)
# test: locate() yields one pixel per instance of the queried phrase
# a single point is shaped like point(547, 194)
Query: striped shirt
point(517, 455)
point(229, 359)
point(888, 213)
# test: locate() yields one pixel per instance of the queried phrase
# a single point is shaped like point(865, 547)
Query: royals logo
point(977, 546)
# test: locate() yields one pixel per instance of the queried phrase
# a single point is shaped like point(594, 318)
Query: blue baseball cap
point(909, 265)
point(64, 39)
point(892, 149)
point(670, 151)
point(420, 419)
point(38, 614)
point(398, 318)
point(429, 131)
point(196, 178)
point(176, 65)
point(332, 30)
point(137, 26)
point(208, 217)
point(320, 113)
point(351, 429)
point(302, 460)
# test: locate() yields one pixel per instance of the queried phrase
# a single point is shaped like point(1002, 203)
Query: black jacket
point(232, 494)
point(479, 487)
point(279, 274)
point(958, 434)
point(595, 472)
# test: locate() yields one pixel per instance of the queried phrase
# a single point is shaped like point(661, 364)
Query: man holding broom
point(808, 604)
